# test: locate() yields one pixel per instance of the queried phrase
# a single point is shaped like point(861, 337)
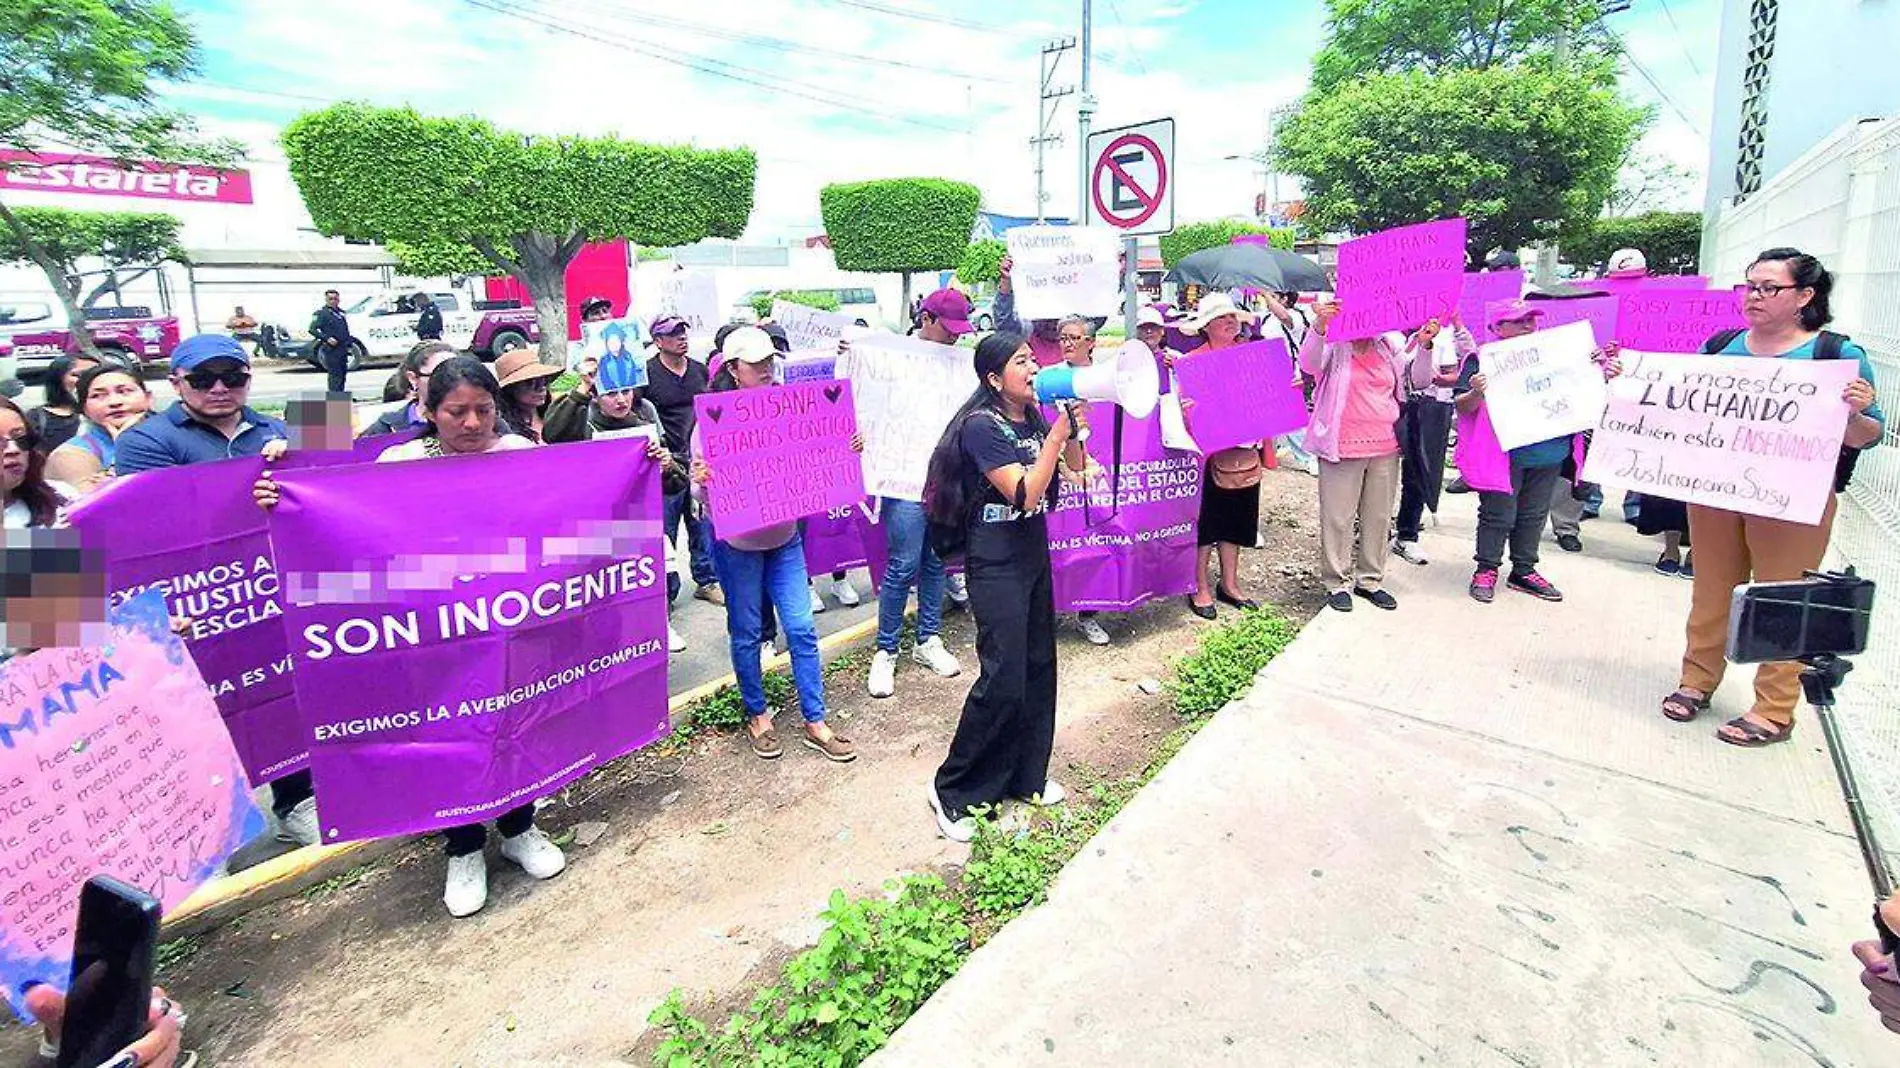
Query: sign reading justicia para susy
point(53, 172)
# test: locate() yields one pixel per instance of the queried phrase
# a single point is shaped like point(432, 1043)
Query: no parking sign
point(1131, 178)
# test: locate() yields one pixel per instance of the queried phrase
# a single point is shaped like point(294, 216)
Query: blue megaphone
point(1128, 379)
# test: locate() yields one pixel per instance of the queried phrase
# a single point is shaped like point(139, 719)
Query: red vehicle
point(34, 331)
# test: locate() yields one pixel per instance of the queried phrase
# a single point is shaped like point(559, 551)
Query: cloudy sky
point(834, 90)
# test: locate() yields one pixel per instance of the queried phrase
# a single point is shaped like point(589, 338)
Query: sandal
point(766, 746)
point(1754, 735)
point(1688, 707)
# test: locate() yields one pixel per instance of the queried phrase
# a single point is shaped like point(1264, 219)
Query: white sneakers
point(300, 825)
point(956, 830)
point(537, 856)
point(883, 681)
point(466, 890)
point(675, 641)
point(958, 589)
point(846, 593)
point(1052, 794)
point(934, 656)
point(1092, 630)
point(1409, 552)
point(817, 599)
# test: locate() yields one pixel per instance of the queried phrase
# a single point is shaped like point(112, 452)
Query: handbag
point(1235, 469)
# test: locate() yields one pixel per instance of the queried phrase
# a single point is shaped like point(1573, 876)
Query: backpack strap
point(1829, 345)
point(1720, 340)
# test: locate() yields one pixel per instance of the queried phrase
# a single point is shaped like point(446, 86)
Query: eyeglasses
point(24, 438)
point(1767, 289)
point(203, 380)
point(1073, 339)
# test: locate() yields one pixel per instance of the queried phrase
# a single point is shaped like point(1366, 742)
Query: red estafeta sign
point(52, 172)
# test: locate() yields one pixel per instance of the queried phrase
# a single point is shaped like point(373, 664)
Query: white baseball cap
point(1149, 315)
point(1626, 262)
point(749, 344)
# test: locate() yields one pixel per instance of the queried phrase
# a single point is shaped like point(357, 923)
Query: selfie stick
point(1822, 675)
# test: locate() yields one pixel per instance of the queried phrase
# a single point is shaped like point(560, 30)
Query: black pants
point(337, 362)
point(469, 837)
point(1008, 730)
point(1424, 432)
point(1516, 519)
point(289, 792)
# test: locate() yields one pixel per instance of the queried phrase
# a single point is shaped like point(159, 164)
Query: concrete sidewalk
point(1451, 834)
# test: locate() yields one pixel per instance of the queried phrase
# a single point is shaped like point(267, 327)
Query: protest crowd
point(481, 603)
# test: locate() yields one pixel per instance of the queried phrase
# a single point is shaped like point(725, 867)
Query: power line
point(927, 16)
point(778, 44)
point(731, 71)
point(1134, 50)
point(1680, 43)
point(1660, 91)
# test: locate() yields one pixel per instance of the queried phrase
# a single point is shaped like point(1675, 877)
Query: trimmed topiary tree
point(900, 225)
point(1193, 237)
point(982, 262)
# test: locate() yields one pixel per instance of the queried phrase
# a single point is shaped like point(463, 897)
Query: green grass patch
point(1227, 660)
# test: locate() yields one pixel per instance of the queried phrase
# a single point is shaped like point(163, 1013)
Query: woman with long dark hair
point(27, 499)
point(1786, 307)
point(115, 400)
point(524, 391)
point(992, 482)
point(57, 420)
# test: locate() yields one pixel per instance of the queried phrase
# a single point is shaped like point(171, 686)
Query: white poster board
point(1543, 385)
point(809, 328)
point(1743, 433)
point(1065, 270)
point(693, 297)
point(906, 392)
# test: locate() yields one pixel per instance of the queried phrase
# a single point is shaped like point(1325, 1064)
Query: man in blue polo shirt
point(212, 374)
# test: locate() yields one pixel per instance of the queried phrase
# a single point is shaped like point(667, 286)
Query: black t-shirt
point(673, 395)
point(990, 442)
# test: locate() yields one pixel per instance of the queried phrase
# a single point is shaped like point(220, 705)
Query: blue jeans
point(912, 563)
point(749, 578)
point(678, 509)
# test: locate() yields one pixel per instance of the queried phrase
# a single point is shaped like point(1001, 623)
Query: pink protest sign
point(1481, 289)
point(1677, 320)
point(113, 761)
point(58, 172)
point(1751, 435)
point(1602, 313)
point(1397, 279)
point(1480, 459)
point(1240, 394)
point(1620, 286)
point(779, 453)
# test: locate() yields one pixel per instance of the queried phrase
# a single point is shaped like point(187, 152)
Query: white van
point(858, 302)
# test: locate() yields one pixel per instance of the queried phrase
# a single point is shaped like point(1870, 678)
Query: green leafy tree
point(62, 238)
point(822, 299)
point(526, 205)
point(82, 72)
point(1193, 237)
point(1370, 37)
point(900, 225)
point(1670, 240)
point(430, 259)
point(1517, 152)
point(982, 262)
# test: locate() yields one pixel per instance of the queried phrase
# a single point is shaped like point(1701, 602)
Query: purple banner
point(1480, 290)
point(1620, 286)
point(1240, 394)
point(212, 558)
point(456, 660)
point(1397, 279)
point(1678, 320)
point(834, 541)
point(801, 367)
point(778, 453)
point(1137, 544)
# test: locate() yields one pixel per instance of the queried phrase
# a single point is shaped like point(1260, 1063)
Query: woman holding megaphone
point(992, 481)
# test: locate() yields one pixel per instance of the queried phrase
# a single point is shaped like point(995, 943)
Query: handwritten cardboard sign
point(1604, 314)
point(693, 297)
point(1543, 385)
point(1065, 270)
point(1481, 289)
point(809, 328)
point(778, 454)
point(1758, 436)
point(1241, 394)
point(906, 390)
point(1677, 320)
point(113, 761)
point(1397, 279)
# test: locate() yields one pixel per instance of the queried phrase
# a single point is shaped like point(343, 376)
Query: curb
point(221, 900)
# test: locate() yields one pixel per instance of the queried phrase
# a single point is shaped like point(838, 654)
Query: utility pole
point(1560, 50)
point(1048, 100)
point(1084, 111)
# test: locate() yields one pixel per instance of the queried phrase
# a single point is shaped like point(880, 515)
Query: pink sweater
point(1331, 368)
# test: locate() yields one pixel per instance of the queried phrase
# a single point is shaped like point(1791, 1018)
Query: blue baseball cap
point(200, 349)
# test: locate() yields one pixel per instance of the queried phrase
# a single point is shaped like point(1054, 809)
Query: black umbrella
point(1255, 266)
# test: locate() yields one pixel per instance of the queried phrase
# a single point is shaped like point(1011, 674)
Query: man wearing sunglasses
point(212, 374)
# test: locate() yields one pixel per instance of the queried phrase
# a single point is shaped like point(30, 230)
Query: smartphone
point(110, 996)
point(1770, 621)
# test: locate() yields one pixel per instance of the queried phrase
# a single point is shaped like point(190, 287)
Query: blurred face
point(214, 390)
point(16, 448)
point(1770, 297)
point(751, 375)
point(465, 420)
point(1152, 336)
point(1511, 328)
point(616, 345)
point(618, 404)
point(1078, 345)
point(1222, 329)
point(80, 366)
point(673, 344)
point(116, 401)
point(1015, 383)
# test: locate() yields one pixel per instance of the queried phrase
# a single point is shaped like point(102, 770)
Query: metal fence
point(1841, 202)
